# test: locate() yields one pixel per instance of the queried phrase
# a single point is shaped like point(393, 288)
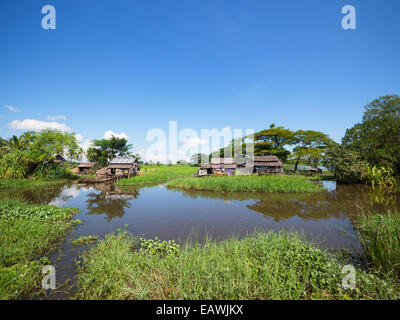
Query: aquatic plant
point(27, 231)
point(84, 240)
point(157, 247)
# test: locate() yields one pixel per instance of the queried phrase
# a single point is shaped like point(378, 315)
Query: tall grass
point(260, 266)
point(379, 236)
point(248, 184)
point(380, 176)
point(157, 174)
point(27, 232)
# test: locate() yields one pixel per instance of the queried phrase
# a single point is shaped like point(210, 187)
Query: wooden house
point(221, 165)
point(85, 168)
point(264, 165)
point(122, 167)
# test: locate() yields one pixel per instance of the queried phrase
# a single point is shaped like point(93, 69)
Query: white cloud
point(11, 108)
point(53, 118)
point(109, 134)
point(193, 142)
point(37, 125)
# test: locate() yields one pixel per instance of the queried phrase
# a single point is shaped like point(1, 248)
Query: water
point(172, 214)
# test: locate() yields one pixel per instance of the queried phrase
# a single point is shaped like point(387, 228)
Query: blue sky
point(130, 66)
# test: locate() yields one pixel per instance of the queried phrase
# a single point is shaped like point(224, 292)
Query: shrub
point(52, 171)
point(347, 165)
point(13, 166)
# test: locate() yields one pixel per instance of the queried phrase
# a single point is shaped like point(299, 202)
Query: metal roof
point(123, 161)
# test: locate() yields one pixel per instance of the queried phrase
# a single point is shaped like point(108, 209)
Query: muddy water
point(174, 214)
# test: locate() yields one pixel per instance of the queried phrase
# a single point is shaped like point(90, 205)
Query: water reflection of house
point(225, 165)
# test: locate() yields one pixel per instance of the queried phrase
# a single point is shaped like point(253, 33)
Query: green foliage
point(20, 156)
point(51, 171)
point(158, 247)
point(27, 231)
point(310, 146)
point(346, 165)
point(157, 174)
point(104, 150)
point(380, 176)
point(259, 266)
point(247, 184)
point(379, 236)
point(13, 165)
point(272, 141)
point(376, 138)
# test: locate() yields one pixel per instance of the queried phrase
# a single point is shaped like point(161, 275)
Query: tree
point(346, 164)
point(199, 158)
point(310, 145)
point(104, 150)
point(44, 145)
point(272, 141)
point(377, 137)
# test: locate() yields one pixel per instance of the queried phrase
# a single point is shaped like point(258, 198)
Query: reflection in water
point(66, 194)
point(343, 201)
point(111, 201)
point(38, 195)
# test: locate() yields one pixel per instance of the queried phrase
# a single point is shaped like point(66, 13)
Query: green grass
point(27, 232)
point(260, 266)
point(247, 184)
point(379, 236)
point(16, 183)
point(157, 174)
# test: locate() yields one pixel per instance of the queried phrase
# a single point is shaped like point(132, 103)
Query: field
point(157, 174)
point(282, 183)
point(27, 232)
point(260, 266)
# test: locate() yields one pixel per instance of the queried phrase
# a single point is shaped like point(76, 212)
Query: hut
point(221, 165)
point(85, 168)
point(102, 171)
point(122, 167)
point(264, 165)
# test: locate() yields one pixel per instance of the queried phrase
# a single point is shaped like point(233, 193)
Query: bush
point(13, 166)
point(52, 171)
point(347, 165)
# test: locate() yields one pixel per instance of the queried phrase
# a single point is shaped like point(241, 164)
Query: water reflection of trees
point(345, 201)
point(36, 195)
point(111, 201)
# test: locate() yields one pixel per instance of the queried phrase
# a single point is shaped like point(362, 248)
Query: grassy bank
point(27, 233)
point(260, 266)
point(379, 236)
point(16, 183)
point(157, 174)
point(247, 184)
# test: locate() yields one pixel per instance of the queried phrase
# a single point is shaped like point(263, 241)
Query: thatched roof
point(87, 165)
point(266, 158)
